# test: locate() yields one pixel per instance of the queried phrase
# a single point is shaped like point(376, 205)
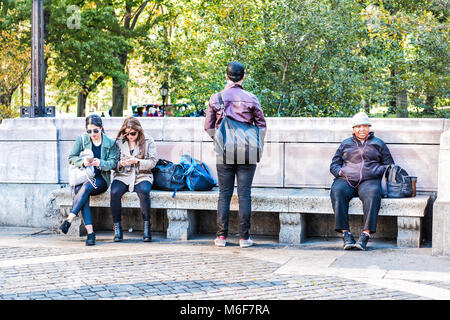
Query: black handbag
point(237, 142)
point(169, 176)
point(396, 183)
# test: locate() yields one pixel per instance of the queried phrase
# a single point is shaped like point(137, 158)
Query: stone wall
point(297, 153)
point(441, 215)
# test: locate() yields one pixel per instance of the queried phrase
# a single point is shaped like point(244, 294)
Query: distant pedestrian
point(358, 166)
point(240, 106)
point(104, 159)
point(133, 173)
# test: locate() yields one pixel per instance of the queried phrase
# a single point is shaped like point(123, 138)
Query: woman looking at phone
point(105, 157)
point(133, 173)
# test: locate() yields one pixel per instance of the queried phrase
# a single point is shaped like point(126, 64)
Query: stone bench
point(292, 205)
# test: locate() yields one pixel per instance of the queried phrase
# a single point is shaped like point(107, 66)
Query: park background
point(323, 58)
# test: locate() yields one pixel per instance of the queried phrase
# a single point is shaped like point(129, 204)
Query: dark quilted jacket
point(356, 158)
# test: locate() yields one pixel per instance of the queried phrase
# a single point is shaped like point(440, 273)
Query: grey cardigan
point(138, 172)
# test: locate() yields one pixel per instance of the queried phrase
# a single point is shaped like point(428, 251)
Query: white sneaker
point(245, 243)
point(220, 241)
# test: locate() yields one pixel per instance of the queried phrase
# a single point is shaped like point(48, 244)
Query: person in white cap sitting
point(358, 166)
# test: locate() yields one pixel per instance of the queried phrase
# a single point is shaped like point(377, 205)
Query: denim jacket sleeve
point(110, 156)
point(74, 155)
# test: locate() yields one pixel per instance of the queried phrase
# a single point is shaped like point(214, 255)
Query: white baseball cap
point(360, 119)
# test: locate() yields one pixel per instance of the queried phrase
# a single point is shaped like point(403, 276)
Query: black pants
point(118, 189)
point(368, 191)
point(226, 174)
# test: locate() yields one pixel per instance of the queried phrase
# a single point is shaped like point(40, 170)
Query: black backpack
point(396, 183)
point(169, 176)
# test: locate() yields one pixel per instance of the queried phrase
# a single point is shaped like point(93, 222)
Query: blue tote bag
point(198, 177)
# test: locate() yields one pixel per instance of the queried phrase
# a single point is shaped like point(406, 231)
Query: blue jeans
point(226, 174)
point(82, 194)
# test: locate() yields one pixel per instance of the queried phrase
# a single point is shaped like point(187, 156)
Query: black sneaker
point(349, 241)
point(65, 226)
point(90, 240)
point(361, 244)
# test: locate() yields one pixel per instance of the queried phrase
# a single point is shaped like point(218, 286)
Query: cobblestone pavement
point(51, 267)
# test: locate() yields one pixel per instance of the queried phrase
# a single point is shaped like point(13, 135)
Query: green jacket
point(109, 155)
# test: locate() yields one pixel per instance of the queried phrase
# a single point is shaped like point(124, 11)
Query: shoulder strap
point(393, 173)
point(82, 142)
point(383, 180)
point(222, 104)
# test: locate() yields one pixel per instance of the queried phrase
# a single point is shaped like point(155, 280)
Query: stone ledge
point(292, 205)
point(263, 199)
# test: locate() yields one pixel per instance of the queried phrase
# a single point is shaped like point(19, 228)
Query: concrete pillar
point(292, 228)
point(409, 232)
point(441, 209)
point(182, 224)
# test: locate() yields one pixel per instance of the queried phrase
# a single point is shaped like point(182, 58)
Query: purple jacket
point(240, 105)
point(355, 159)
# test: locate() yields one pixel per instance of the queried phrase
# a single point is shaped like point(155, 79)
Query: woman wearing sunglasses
point(133, 173)
point(105, 158)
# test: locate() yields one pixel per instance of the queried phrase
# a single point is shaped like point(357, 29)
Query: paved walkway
point(39, 264)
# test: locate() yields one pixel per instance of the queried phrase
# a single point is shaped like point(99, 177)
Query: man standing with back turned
point(240, 106)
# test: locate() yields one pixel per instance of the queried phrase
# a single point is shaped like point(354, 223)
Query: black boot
point(90, 240)
point(118, 234)
point(147, 234)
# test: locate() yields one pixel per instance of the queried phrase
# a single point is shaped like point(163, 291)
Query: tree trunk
point(429, 104)
point(117, 105)
point(5, 99)
point(81, 103)
point(367, 107)
point(393, 92)
point(125, 92)
point(402, 104)
point(118, 90)
point(125, 98)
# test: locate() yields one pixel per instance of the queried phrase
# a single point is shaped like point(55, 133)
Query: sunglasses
point(131, 133)
point(89, 131)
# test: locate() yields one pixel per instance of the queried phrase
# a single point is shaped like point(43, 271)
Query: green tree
point(132, 20)
point(84, 53)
